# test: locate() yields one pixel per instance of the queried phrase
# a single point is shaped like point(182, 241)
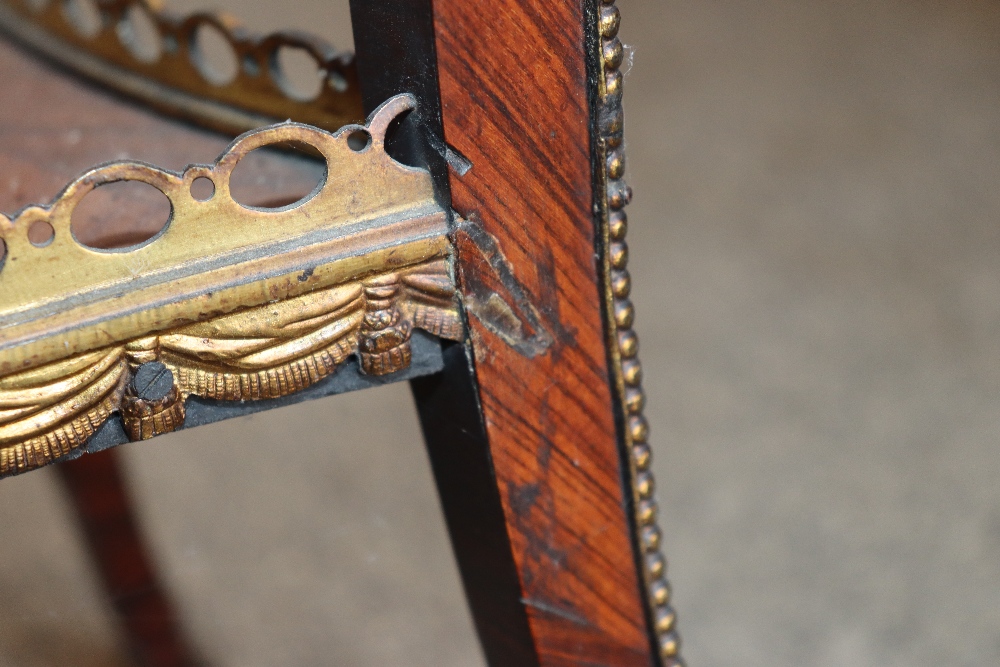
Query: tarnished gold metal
point(169, 70)
point(239, 303)
point(622, 339)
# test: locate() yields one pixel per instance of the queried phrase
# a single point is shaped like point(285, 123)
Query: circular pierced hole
point(272, 179)
point(202, 188)
point(359, 140)
point(214, 55)
point(298, 74)
point(41, 233)
point(84, 16)
point(120, 215)
point(140, 34)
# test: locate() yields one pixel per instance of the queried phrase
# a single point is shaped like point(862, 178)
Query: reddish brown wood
point(514, 99)
point(97, 493)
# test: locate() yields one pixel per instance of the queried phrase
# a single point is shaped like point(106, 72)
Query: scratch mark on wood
point(496, 298)
point(556, 611)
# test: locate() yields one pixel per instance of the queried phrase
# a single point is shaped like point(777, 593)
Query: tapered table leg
point(100, 500)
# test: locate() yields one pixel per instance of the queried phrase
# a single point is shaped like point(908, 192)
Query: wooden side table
point(530, 403)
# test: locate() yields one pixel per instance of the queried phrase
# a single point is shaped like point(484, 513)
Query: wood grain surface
point(515, 104)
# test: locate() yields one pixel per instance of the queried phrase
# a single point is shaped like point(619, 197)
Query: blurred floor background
point(816, 253)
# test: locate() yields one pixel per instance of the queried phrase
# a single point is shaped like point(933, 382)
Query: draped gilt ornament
point(237, 303)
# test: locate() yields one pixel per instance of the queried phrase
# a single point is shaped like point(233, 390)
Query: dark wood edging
point(395, 43)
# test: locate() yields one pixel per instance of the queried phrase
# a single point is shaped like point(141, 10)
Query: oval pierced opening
point(277, 176)
point(140, 35)
point(214, 55)
point(297, 73)
point(84, 16)
point(41, 233)
point(120, 215)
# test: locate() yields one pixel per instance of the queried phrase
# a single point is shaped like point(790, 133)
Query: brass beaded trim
point(137, 48)
point(624, 341)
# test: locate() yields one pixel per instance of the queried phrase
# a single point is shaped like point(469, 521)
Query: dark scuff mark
point(549, 301)
point(496, 298)
point(523, 497)
point(307, 274)
point(533, 511)
point(541, 554)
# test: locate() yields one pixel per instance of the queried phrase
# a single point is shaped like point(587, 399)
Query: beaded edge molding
point(624, 343)
point(137, 48)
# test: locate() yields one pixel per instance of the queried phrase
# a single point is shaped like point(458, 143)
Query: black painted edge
point(395, 44)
